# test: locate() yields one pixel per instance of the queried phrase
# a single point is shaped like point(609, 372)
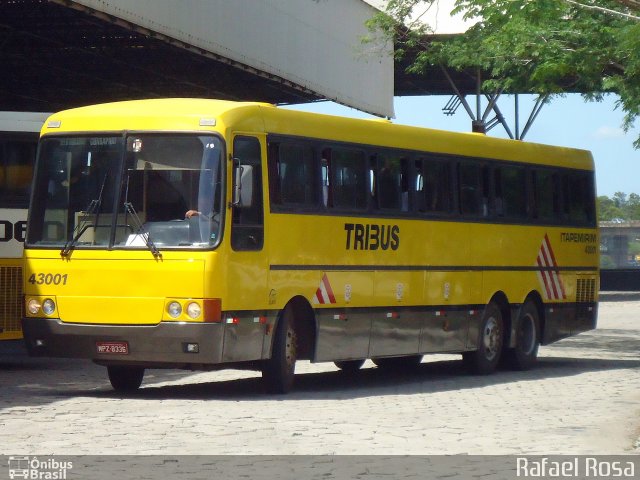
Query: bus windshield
point(137, 191)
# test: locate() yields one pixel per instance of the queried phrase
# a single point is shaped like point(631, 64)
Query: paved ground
point(583, 398)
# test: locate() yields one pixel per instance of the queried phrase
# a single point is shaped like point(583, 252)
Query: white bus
point(19, 133)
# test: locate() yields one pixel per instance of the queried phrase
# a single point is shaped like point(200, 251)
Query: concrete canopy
point(63, 53)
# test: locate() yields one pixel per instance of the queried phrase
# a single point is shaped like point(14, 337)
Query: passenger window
point(348, 178)
point(17, 158)
point(510, 192)
point(433, 185)
point(324, 171)
point(580, 204)
point(564, 189)
point(294, 173)
point(473, 184)
point(390, 182)
point(546, 195)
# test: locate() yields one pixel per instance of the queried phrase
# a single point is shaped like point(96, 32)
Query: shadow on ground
point(29, 382)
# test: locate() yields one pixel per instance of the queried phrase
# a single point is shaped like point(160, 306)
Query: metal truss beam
point(481, 120)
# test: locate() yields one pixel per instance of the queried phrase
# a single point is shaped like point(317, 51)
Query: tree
point(633, 206)
point(619, 206)
point(607, 209)
point(549, 47)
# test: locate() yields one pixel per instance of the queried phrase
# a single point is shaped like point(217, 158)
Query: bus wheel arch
point(501, 300)
point(305, 326)
point(293, 339)
point(537, 300)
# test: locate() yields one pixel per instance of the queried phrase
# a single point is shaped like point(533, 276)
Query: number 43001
point(48, 279)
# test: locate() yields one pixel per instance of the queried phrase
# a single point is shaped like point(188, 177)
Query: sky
point(568, 121)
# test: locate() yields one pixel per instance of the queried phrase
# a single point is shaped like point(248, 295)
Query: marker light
point(48, 306)
point(174, 309)
point(194, 310)
point(33, 306)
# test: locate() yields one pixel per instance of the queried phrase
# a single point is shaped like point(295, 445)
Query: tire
point(525, 354)
point(278, 372)
point(398, 363)
point(349, 366)
point(484, 360)
point(125, 379)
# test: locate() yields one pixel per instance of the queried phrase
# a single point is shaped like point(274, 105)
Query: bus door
point(247, 266)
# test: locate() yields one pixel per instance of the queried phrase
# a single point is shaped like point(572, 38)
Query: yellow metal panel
point(107, 287)
point(399, 288)
point(172, 114)
point(447, 288)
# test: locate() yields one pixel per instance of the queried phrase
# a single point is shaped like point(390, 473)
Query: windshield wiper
point(93, 207)
point(140, 230)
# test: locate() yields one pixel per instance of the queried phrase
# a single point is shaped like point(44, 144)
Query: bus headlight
point(48, 306)
point(174, 309)
point(194, 310)
point(33, 306)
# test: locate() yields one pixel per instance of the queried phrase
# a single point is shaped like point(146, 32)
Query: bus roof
point(189, 114)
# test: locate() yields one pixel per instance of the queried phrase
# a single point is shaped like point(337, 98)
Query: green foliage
point(620, 206)
point(634, 248)
point(546, 47)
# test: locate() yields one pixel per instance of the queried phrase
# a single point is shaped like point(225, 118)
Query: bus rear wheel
point(125, 379)
point(278, 372)
point(485, 359)
point(525, 354)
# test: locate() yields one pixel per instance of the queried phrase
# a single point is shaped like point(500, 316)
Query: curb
point(619, 296)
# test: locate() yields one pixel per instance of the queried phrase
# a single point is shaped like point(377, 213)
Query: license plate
point(113, 348)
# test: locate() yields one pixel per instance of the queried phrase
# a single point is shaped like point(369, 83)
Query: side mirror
point(242, 186)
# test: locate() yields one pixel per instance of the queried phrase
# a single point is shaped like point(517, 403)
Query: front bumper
point(163, 344)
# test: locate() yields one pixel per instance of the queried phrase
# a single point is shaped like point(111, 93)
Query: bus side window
point(418, 187)
point(17, 170)
point(391, 180)
point(434, 195)
point(580, 198)
point(510, 192)
point(565, 196)
point(472, 182)
point(325, 163)
point(546, 205)
point(297, 175)
point(273, 164)
point(348, 173)
point(247, 229)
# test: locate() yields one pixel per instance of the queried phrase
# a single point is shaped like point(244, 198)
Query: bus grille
point(10, 299)
point(586, 290)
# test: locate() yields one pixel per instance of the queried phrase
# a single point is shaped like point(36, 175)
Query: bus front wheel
point(485, 359)
point(125, 379)
point(278, 372)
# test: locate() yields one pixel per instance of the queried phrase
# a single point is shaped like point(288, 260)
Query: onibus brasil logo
point(37, 469)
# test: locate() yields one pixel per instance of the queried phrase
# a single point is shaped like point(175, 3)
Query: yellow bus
point(18, 143)
point(204, 234)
